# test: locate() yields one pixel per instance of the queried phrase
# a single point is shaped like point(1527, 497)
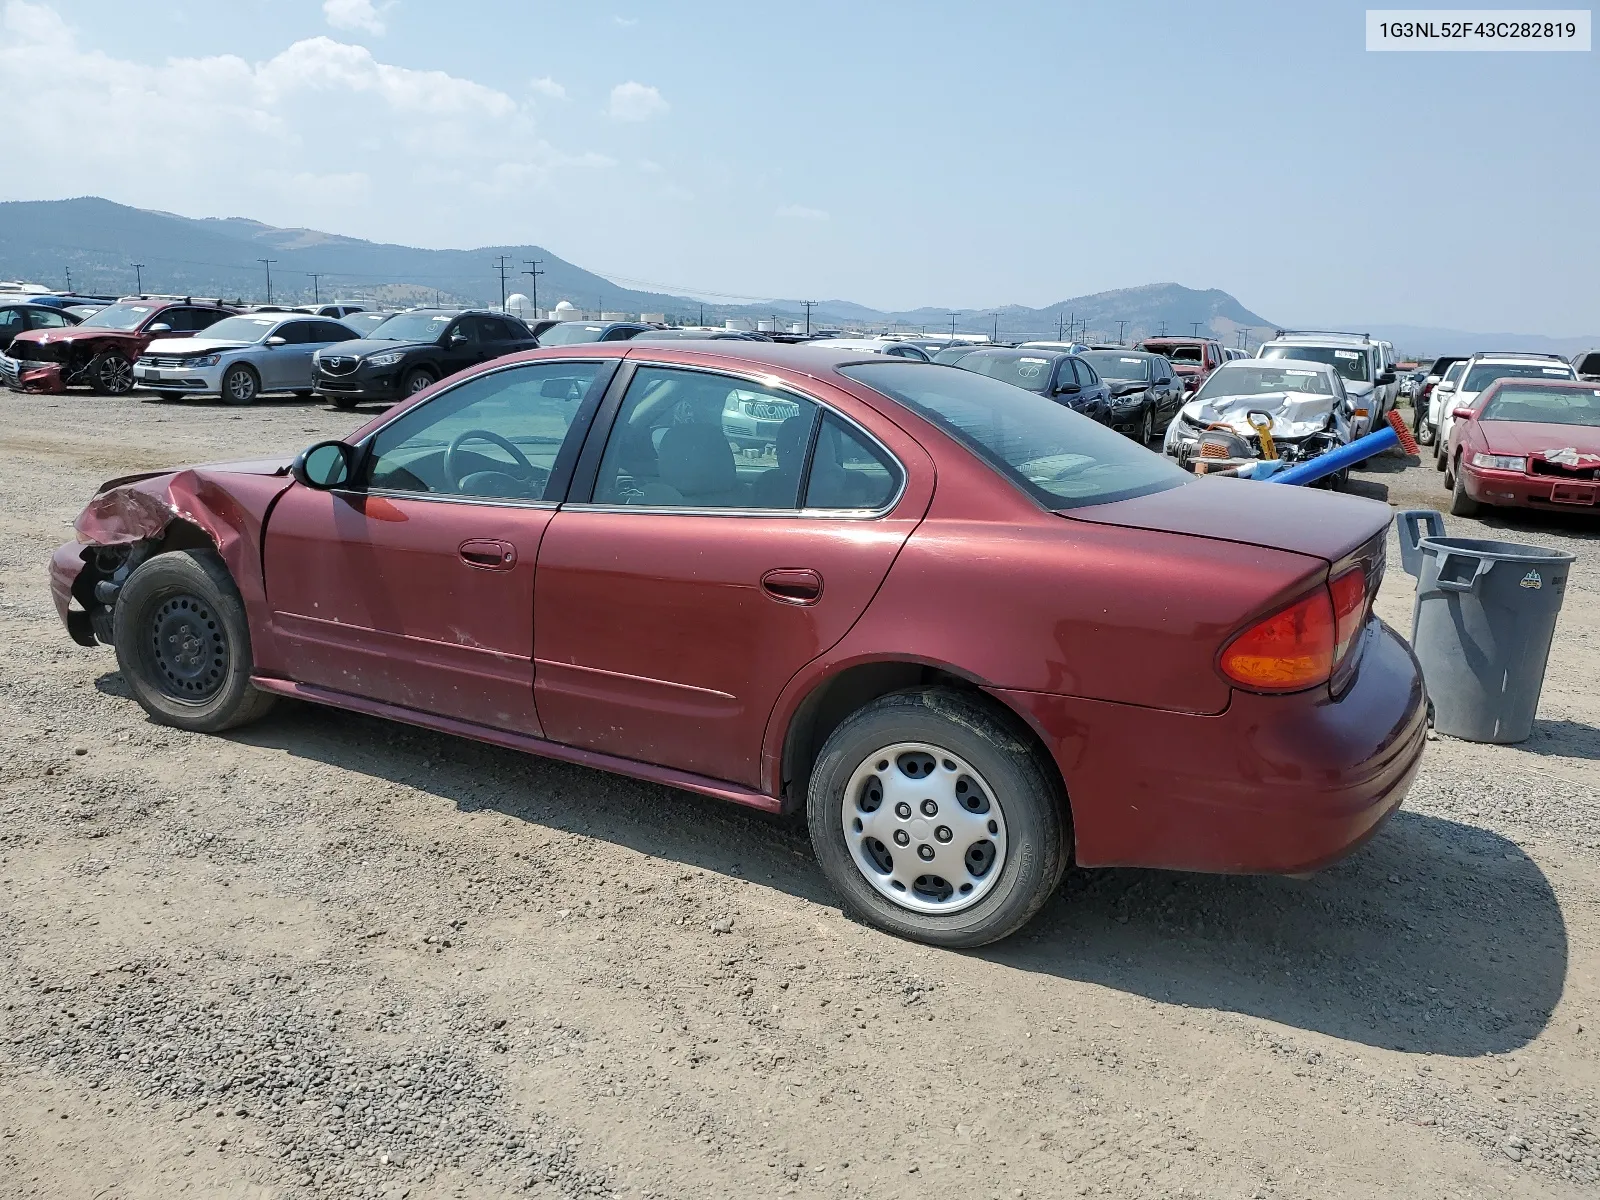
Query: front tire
point(1461, 504)
point(241, 385)
point(183, 643)
point(415, 380)
point(935, 820)
point(1147, 427)
point(113, 375)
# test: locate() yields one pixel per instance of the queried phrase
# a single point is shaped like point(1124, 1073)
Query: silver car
point(239, 358)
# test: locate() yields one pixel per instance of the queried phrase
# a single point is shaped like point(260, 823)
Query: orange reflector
point(1212, 450)
point(1289, 651)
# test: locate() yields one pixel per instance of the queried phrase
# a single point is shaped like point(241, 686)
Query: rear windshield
point(1061, 459)
point(1352, 364)
point(1482, 375)
point(1191, 353)
point(1547, 406)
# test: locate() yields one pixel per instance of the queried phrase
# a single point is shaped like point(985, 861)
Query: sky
point(892, 153)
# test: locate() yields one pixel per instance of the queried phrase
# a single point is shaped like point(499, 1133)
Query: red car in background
point(1193, 358)
point(1526, 443)
point(100, 350)
point(728, 567)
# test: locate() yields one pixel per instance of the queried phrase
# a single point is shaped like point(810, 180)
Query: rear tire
point(183, 643)
point(966, 754)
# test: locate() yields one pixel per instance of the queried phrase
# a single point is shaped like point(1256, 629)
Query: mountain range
point(97, 243)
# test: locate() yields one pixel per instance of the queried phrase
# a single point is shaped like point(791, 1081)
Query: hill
point(98, 241)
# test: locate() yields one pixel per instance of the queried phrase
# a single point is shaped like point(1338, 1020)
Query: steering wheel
point(527, 472)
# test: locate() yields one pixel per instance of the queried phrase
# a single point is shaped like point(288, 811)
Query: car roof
point(1514, 356)
point(1119, 350)
point(1277, 364)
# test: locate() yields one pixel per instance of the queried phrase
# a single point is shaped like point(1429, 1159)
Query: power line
point(534, 266)
point(501, 267)
point(268, 262)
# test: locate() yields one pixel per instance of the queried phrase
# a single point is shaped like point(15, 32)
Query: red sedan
point(970, 632)
point(1526, 443)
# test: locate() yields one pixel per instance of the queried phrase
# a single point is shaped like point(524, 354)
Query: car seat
point(698, 468)
point(778, 487)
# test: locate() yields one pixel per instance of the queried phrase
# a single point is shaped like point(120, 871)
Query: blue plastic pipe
point(1394, 433)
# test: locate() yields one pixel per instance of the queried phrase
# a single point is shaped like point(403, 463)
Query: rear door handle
point(793, 586)
point(489, 555)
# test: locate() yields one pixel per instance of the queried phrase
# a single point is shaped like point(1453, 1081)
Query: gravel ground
point(330, 956)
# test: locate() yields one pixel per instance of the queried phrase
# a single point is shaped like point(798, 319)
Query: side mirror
point(1448, 385)
point(1068, 389)
point(324, 466)
point(274, 341)
point(1386, 378)
point(1463, 414)
point(457, 338)
point(159, 327)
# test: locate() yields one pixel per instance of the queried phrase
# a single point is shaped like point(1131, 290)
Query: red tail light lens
point(1297, 647)
point(1288, 651)
point(1349, 592)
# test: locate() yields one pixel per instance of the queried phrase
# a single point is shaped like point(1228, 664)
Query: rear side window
point(849, 472)
point(1061, 459)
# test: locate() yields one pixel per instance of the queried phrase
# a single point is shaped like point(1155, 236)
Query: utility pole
point(1196, 325)
point(810, 304)
point(1059, 326)
point(995, 337)
point(702, 314)
point(1121, 325)
point(501, 267)
point(316, 295)
point(138, 278)
point(268, 262)
point(534, 270)
point(953, 327)
point(1162, 332)
point(69, 280)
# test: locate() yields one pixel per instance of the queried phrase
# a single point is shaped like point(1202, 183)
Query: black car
point(1065, 378)
point(413, 350)
point(954, 354)
point(571, 333)
point(1587, 364)
point(1146, 392)
point(21, 316)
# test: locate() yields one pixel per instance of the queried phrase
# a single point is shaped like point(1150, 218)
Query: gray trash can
point(1482, 625)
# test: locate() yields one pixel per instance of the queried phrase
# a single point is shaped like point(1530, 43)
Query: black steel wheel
point(183, 643)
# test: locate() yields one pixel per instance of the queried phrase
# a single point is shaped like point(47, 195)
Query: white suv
point(1479, 372)
point(1359, 361)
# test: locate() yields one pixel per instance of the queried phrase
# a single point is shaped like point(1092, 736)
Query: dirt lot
point(333, 956)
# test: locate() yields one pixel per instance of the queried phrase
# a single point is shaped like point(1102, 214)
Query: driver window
point(496, 436)
point(691, 439)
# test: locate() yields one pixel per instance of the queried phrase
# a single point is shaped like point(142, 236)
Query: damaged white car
point(1254, 409)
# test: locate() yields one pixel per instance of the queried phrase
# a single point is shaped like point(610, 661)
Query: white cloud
point(546, 86)
point(321, 133)
point(799, 212)
point(624, 22)
point(353, 14)
point(635, 102)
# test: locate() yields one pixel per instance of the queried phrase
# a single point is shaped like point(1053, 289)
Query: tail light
point(1298, 646)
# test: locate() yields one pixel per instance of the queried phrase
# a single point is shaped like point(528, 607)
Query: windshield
point(242, 329)
point(1024, 370)
point(570, 333)
point(1237, 379)
point(412, 327)
point(1482, 375)
point(119, 316)
point(1352, 364)
point(1112, 365)
point(1192, 353)
point(952, 354)
point(1545, 405)
point(363, 323)
point(1061, 459)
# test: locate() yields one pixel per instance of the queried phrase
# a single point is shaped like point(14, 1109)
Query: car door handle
point(793, 586)
point(489, 555)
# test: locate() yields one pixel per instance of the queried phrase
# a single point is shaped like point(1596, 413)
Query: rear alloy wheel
point(241, 385)
point(1461, 504)
point(183, 643)
point(113, 375)
point(935, 821)
point(416, 379)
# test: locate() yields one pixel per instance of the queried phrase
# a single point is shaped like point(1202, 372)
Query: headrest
point(697, 460)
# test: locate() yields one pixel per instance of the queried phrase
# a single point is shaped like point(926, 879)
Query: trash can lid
point(1492, 549)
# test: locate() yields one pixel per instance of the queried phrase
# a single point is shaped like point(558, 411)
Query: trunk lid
point(1302, 520)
